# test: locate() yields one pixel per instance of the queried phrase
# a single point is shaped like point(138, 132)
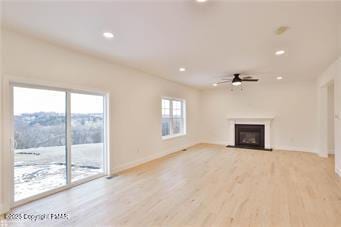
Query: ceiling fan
point(238, 79)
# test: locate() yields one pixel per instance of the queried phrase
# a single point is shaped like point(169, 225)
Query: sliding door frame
point(11, 83)
point(68, 144)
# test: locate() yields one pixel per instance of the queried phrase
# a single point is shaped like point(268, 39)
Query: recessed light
point(215, 84)
point(108, 35)
point(280, 52)
point(182, 69)
point(201, 0)
point(279, 78)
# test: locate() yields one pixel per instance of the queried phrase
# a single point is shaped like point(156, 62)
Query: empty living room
point(170, 113)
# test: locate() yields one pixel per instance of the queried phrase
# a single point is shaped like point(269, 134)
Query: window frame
point(171, 117)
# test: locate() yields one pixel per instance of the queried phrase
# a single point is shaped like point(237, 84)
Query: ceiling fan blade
point(250, 80)
point(228, 77)
point(232, 75)
point(223, 82)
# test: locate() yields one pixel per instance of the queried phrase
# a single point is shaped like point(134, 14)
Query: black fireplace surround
point(249, 136)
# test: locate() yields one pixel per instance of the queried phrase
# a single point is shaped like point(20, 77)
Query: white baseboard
point(322, 155)
point(338, 171)
point(135, 163)
point(225, 143)
point(299, 149)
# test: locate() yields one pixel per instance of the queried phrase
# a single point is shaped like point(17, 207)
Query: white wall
point(292, 105)
point(337, 109)
point(1, 153)
point(331, 113)
point(135, 133)
point(331, 75)
point(339, 27)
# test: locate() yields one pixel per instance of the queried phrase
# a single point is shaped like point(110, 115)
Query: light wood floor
point(208, 185)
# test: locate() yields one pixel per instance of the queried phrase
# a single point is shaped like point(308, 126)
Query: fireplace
point(249, 136)
point(249, 125)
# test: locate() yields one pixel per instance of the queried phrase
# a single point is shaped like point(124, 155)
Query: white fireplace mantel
point(266, 121)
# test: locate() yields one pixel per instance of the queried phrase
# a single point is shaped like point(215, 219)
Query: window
point(173, 117)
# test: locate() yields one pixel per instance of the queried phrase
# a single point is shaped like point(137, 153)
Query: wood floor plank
point(207, 185)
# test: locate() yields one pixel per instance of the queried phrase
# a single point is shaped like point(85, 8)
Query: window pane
point(87, 122)
point(165, 112)
point(176, 113)
point(165, 104)
point(176, 104)
point(39, 134)
point(177, 125)
point(165, 108)
point(165, 126)
point(177, 109)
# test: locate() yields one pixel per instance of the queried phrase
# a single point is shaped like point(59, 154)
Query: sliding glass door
point(58, 139)
point(87, 123)
point(40, 141)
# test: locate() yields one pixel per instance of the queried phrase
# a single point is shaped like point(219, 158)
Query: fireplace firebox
point(249, 136)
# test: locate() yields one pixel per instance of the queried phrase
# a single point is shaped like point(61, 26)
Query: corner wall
point(337, 109)
point(293, 106)
point(331, 75)
point(1, 128)
point(339, 27)
point(135, 97)
point(331, 120)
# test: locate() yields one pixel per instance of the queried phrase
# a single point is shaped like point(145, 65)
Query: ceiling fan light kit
point(237, 81)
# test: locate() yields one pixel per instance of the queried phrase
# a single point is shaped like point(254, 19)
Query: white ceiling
point(210, 39)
